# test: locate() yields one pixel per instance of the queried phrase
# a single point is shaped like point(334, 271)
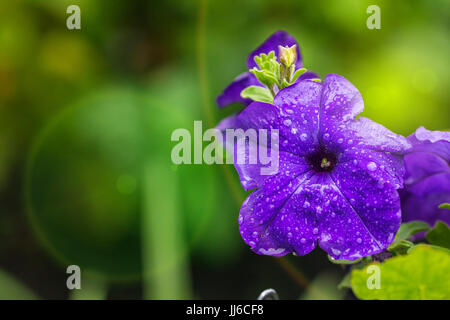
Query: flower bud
point(287, 55)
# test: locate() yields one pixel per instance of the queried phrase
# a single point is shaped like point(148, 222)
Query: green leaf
point(344, 261)
point(267, 78)
point(444, 206)
point(257, 94)
point(359, 264)
point(401, 247)
point(12, 289)
point(406, 230)
point(269, 69)
point(297, 74)
point(439, 235)
point(324, 287)
point(422, 274)
point(345, 282)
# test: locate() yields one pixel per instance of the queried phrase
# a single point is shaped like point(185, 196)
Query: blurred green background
point(85, 123)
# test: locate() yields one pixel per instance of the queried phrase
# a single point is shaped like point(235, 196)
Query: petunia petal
point(383, 167)
point(252, 124)
point(421, 200)
point(427, 179)
point(437, 142)
point(298, 107)
point(274, 220)
point(227, 122)
point(363, 134)
point(373, 212)
point(232, 93)
point(308, 75)
point(279, 38)
point(421, 164)
point(341, 101)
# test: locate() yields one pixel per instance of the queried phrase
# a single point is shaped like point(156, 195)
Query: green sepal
point(407, 230)
point(444, 206)
point(267, 78)
point(257, 93)
point(269, 69)
point(343, 261)
point(285, 84)
point(267, 61)
point(401, 247)
point(297, 74)
point(439, 235)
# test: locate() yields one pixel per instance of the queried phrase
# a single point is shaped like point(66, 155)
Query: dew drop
point(372, 166)
point(336, 252)
point(287, 122)
point(303, 136)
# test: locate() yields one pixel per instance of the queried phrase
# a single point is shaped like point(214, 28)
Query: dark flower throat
point(322, 161)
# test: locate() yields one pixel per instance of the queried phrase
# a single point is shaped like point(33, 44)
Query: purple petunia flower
point(427, 179)
point(232, 93)
point(337, 180)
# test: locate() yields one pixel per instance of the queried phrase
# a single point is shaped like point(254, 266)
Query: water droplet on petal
point(303, 136)
point(336, 252)
point(372, 166)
